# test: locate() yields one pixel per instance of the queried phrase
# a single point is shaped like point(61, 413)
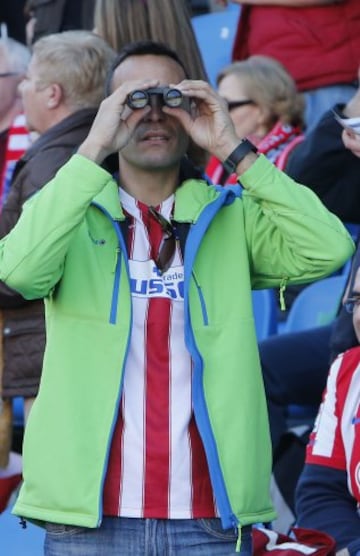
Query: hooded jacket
point(68, 247)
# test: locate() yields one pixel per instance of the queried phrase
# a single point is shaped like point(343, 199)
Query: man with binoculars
point(149, 434)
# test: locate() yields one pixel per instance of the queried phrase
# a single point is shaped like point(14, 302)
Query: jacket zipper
point(202, 300)
point(195, 236)
point(112, 320)
point(228, 518)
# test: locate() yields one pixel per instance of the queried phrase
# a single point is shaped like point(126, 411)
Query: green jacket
point(68, 248)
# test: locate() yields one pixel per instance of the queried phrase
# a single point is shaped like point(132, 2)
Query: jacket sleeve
point(323, 163)
point(323, 502)
point(32, 255)
point(28, 178)
point(292, 237)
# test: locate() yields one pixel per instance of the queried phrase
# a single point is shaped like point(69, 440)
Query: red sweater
point(319, 45)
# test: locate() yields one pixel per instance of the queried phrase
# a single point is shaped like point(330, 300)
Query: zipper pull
point(282, 288)
point(238, 542)
point(117, 253)
point(23, 523)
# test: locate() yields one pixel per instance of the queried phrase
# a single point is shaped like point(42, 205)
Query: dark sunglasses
point(232, 104)
point(168, 244)
point(9, 73)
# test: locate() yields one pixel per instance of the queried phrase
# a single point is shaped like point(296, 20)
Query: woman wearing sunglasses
point(264, 106)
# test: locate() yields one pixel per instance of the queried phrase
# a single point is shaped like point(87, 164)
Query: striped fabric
point(335, 440)
point(157, 466)
point(18, 142)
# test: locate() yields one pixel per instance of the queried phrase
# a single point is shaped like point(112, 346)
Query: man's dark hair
point(141, 48)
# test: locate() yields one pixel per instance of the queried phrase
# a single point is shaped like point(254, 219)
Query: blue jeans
point(146, 537)
point(322, 99)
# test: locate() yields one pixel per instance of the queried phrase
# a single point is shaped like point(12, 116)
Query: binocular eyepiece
point(168, 96)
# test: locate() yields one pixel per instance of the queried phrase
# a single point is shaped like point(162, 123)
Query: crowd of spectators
point(285, 78)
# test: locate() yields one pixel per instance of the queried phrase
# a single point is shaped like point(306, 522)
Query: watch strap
point(243, 148)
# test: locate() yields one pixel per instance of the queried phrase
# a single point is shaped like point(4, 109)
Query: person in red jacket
point(318, 41)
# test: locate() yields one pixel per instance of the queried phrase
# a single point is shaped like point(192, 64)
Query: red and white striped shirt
point(157, 466)
point(18, 141)
point(335, 440)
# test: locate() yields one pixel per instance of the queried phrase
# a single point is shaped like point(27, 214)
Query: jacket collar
point(191, 197)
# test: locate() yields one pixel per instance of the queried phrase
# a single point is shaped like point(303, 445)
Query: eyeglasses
point(9, 73)
point(232, 104)
point(352, 303)
point(167, 247)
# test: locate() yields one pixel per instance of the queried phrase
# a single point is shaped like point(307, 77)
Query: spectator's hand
point(352, 107)
point(351, 141)
point(114, 123)
point(208, 123)
point(343, 552)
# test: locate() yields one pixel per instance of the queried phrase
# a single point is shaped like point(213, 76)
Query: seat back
point(215, 33)
point(317, 304)
point(16, 541)
point(265, 313)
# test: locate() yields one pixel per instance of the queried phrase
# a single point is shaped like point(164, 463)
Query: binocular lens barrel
point(140, 98)
point(173, 98)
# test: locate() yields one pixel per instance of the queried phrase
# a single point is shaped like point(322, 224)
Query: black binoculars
point(168, 96)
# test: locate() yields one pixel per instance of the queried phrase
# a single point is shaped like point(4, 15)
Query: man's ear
point(55, 95)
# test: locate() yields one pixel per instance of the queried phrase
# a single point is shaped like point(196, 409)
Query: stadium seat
point(265, 313)
point(16, 541)
point(316, 305)
point(18, 412)
point(215, 33)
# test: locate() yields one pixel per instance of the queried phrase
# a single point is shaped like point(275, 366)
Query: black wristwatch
point(243, 148)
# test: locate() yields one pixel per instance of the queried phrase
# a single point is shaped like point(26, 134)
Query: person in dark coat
point(61, 92)
point(53, 16)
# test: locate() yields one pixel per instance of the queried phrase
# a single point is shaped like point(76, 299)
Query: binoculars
point(168, 96)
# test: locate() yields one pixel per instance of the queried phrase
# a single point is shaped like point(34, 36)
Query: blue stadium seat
point(353, 229)
point(265, 313)
point(16, 541)
point(316, 305)
point(18, 412)
point(215, 33)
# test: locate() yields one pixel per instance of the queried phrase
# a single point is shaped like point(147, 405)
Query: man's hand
point(208, 123)
point(351, 141)
point(114, 123)
point(352, 107)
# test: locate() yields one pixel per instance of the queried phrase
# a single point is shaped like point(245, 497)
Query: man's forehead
point(148, 66)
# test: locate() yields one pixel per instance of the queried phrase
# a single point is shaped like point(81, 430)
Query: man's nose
point(156, 105)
